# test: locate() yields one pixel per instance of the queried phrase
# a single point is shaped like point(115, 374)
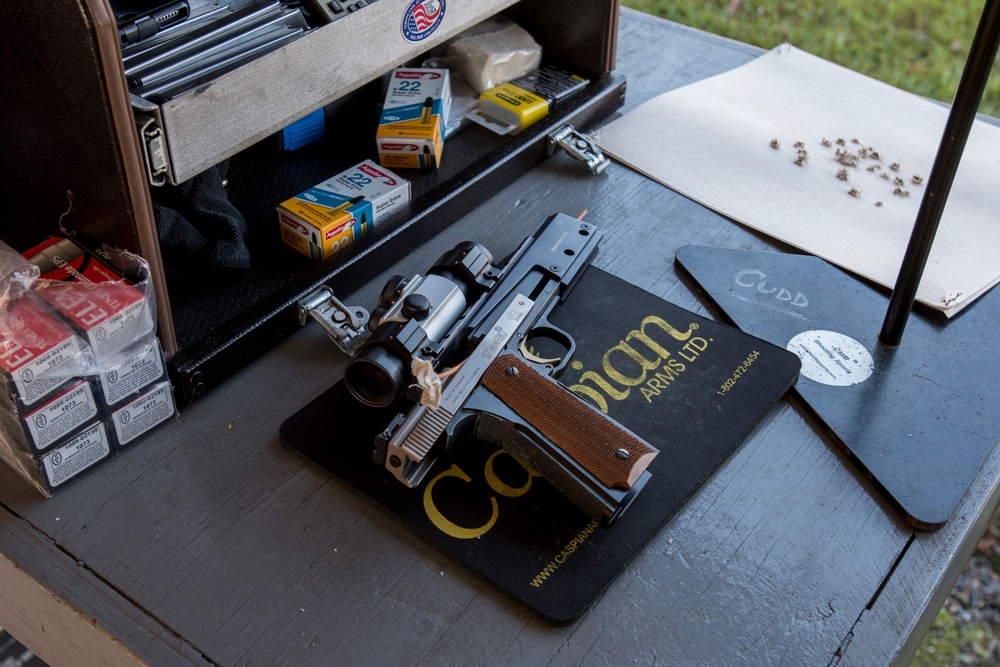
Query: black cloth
point(199, 228)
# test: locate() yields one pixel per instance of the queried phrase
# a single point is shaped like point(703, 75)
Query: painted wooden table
point(212, 544)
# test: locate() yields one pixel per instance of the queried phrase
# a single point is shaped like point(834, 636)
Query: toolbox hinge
point(345, 325)
point(580, 146)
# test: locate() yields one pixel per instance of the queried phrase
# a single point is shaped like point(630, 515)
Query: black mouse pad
point(693, 388)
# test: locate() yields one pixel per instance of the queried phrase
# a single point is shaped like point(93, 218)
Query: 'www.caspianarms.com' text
point(563, 555)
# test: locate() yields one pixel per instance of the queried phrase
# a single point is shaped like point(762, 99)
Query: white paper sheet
point(711, 141)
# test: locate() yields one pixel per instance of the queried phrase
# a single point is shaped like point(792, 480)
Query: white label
point(43, 375)
point(832, 358)
point(77, 455)
point(121, 330)
point(143, 414)
point(132, 375)
point(66, 413)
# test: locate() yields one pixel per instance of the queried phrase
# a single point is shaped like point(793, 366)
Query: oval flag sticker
point(421, 19)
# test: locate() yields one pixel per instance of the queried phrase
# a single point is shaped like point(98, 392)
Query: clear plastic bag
point(493, 52)
point(78, 346)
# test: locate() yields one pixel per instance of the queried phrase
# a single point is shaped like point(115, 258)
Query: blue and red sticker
point(421, 19)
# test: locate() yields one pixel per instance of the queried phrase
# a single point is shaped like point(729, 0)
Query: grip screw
point(622, 453)
point(511, 371)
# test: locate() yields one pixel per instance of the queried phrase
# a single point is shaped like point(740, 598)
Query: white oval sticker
point(421, 18)
point(832, 358)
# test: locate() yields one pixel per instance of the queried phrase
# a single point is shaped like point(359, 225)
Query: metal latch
point(155, 149)
point(578, 145)
point(152, 138)
point(346, 326)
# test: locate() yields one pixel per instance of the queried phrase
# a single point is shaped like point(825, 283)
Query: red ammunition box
point(38, 354)
point(109, 312)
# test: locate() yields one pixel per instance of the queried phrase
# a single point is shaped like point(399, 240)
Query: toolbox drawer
point(77, 153)
point(213, 122)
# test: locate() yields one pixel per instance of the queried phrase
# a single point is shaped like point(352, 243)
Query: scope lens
point(375, 377)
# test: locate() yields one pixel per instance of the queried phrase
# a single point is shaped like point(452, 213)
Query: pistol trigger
point(528, 356)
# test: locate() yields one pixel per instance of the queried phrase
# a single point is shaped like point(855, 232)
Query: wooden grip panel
point(607, 451)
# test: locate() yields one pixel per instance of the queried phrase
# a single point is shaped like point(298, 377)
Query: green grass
point(949, 644)
point(916, 45)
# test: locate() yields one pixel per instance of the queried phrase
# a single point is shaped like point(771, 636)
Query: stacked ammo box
point(82, 372)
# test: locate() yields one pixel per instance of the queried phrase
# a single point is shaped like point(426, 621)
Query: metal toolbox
point(83, 155)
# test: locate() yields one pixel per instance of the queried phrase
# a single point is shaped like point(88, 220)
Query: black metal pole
point(982, 53)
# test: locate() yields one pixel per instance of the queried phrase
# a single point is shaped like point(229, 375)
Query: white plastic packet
point(494, 52)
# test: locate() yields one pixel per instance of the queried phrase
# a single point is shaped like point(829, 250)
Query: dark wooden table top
point(212, 544)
